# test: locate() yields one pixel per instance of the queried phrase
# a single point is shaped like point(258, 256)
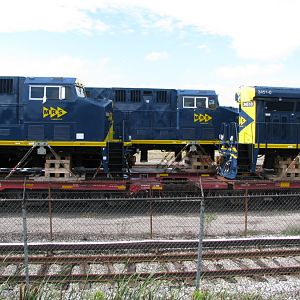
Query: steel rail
point(138, 258)
point(177, 276)
point(151, 244)
point(156, 199)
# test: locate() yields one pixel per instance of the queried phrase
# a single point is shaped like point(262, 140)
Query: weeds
point(291, 230)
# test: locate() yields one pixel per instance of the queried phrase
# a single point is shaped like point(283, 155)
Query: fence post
point(246, 212)
point(25, 233)
point(50, 213)
point(200, 244)
point(151, 218)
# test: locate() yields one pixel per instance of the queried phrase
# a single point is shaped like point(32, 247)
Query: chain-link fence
point(238, 214)
point(49, 216)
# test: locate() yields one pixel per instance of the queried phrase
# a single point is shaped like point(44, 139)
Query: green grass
point(291, 230)
point(198, 295)
point(149, 289)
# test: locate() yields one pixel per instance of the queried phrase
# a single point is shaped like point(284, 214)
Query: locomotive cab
point(53, 111)
point(268, 127)
point(56, 109)
point(197, 115)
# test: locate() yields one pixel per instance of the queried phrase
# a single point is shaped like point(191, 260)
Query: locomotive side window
point(67, 93)
point(201, 102)
point(212, 104)
point(52, 93)
point(188, 102)
point(49, 92)
point(80, 91)
point(194, 102)
point(36, 93)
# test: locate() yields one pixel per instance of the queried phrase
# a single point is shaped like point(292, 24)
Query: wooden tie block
point(287, 168)
point(199, 163)
point(58, 167)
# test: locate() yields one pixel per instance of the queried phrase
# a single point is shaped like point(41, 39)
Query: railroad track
point(175, 265)
point(149, 245)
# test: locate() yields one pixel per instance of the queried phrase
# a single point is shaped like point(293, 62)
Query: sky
point(191, 44)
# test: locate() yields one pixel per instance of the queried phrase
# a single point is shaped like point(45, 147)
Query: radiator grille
point(6, 86)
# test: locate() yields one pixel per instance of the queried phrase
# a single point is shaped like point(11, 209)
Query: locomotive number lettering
point(264, 92)
point(248, 104)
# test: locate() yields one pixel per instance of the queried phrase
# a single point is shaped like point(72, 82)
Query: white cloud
point(166, 24)
point(249, 72)
point(51, 16)
point(266, 30)
point(231, 77)
point(98, 72)
point(203, 47)
point(226, 94)
point(258, 29)
point(154, 56)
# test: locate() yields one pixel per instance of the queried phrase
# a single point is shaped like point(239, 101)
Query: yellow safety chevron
point(202, 118)
point(242, 120)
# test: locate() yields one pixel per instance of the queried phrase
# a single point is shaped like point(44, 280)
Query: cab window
point(67, 93)
point(52, 93)
point(212, 104)
point(36, 93)
point(80, 91)
point(201, 102)
point(49, 93)
point(194, 102)
point(188, 102)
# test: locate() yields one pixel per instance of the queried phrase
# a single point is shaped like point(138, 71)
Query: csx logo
point(53, 113)
point(202, 118)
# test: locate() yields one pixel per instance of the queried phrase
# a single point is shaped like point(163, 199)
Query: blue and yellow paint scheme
point(269, 124)
point(29, 114)
point(54, 110)
point(269, 117)
point(166, 119)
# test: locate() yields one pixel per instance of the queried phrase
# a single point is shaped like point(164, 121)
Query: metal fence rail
point(150, 218)
point(28, 219)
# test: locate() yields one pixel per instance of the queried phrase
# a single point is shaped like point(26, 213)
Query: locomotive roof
point(139, 88)
point(271, 91)
point(197, 92)
point(50, 80)
point(180, 92)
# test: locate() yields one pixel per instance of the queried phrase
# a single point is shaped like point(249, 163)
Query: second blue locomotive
point(165, 119)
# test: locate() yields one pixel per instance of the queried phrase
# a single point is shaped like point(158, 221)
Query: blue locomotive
point(269, 126)
point(102, 127)
point(39, 112)
point(166, 119)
